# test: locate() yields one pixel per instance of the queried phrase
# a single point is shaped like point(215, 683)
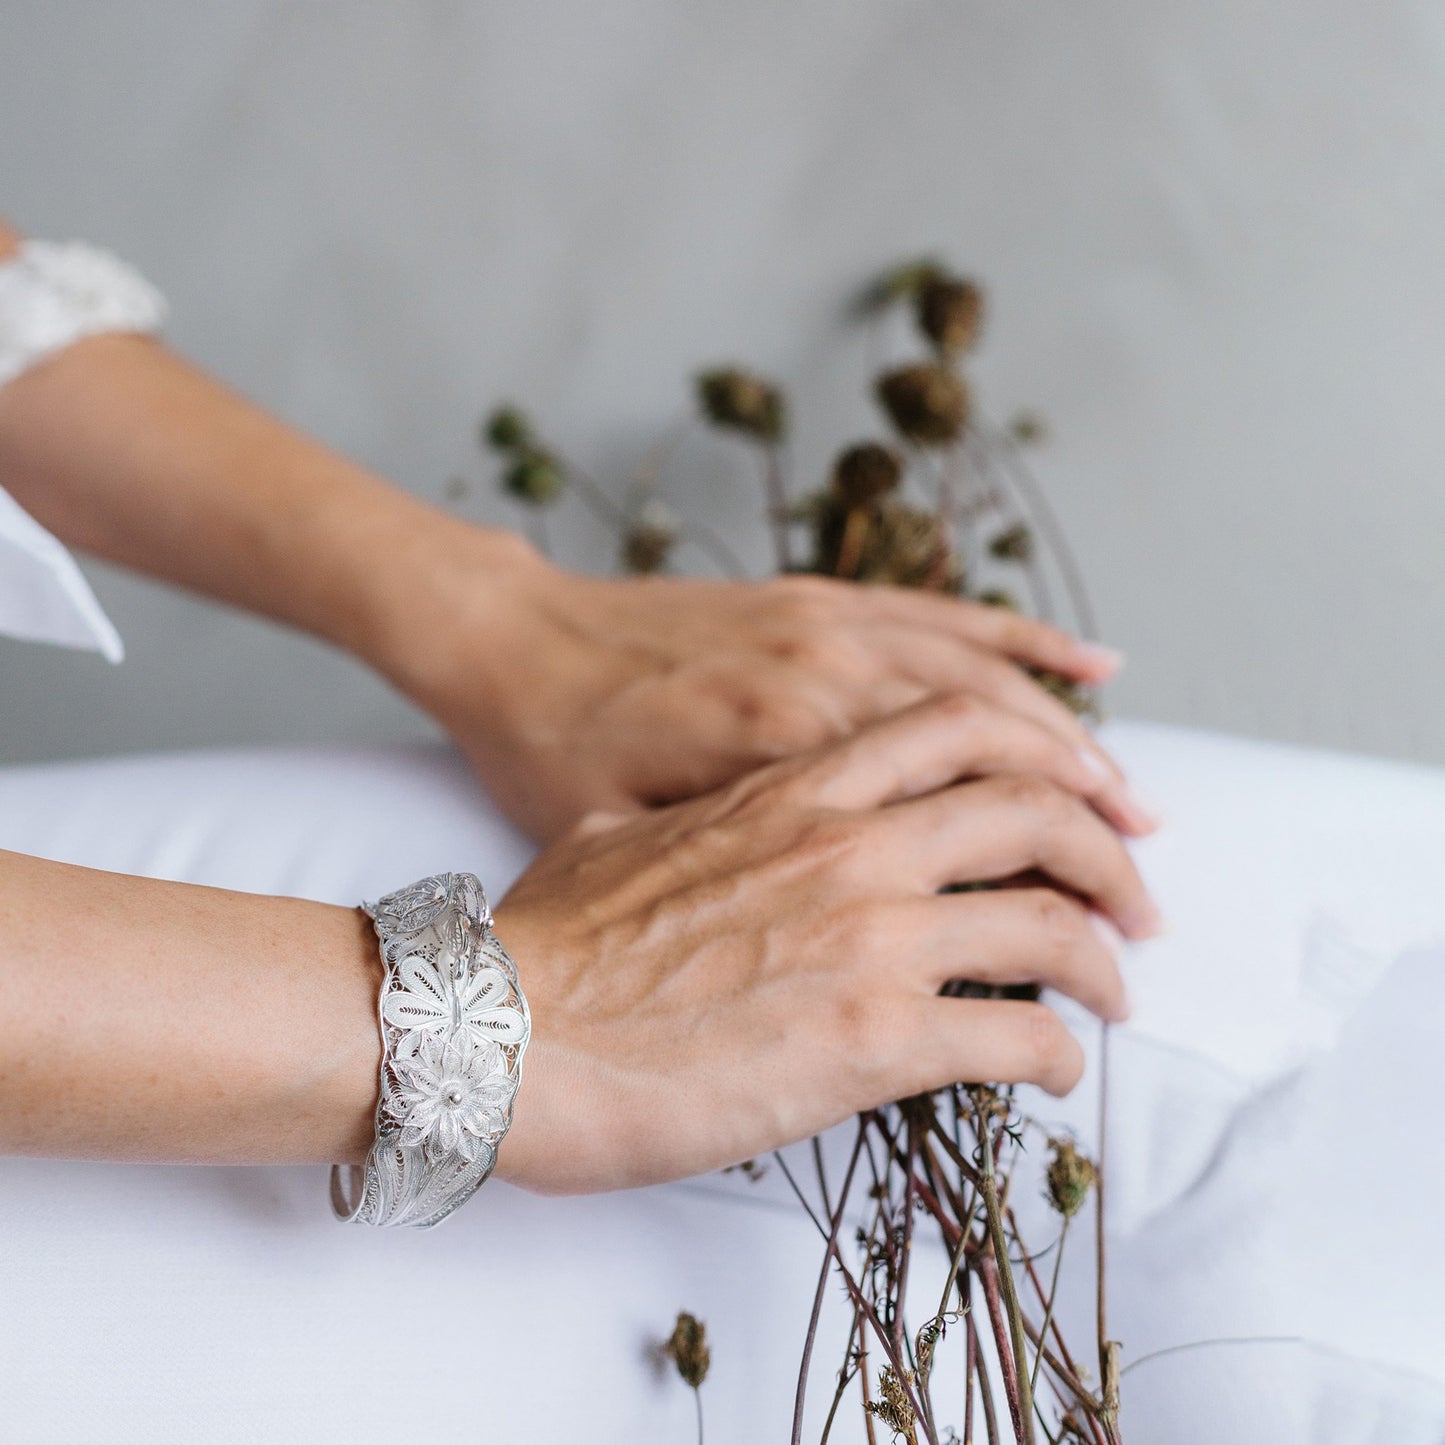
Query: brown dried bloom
point(894, 1408)
point(949, 312)
point(1071, 1176)
point(688, 1349)
point(1015, 544)
point(902, 546)
point(535, 478)
point(507, 429)
point(902, 281)
point(648, 542)
point(998, 597)
point(864, 473)
point(1079, 702)
point(735, 398)
point(1028, 427)
point(926, 402)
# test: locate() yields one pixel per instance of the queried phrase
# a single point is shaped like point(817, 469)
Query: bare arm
point(127, 452)
point(170, 1023)
point(567, 693)
point(707, 981)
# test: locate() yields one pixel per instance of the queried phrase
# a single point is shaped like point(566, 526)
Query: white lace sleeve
point(51, 295)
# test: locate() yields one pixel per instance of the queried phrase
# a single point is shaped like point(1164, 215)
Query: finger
point(1000, 827)
point(1012, 936)
point(1022, 638)
point(998, 1041)
point(938, 742)
point(945, 665)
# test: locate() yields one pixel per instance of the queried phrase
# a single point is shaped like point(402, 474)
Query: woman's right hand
point(719, 978)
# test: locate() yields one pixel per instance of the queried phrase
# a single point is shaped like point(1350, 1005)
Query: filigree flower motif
point(424, 997)
point(412, 908)
point(451, 1095)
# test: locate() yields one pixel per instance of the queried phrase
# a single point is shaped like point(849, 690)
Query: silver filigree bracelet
point(454, 1026)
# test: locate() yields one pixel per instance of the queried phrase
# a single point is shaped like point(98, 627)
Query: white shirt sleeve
point(44, 596)
point(51, 295)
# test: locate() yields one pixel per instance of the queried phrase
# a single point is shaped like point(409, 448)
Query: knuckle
point(866, 933)
point(961, 708)
point(1032, 793)
point(772, 724)
point(1059, 922)
point(808, 649)
point(803, 601)
point(861, 1028)
point(830, 838)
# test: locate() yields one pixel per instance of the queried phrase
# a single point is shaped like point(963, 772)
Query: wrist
point(444, 600)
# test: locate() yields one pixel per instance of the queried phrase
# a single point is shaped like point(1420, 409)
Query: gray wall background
point(1212, 231)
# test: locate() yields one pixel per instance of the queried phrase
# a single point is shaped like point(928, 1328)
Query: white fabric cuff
point(51, 295)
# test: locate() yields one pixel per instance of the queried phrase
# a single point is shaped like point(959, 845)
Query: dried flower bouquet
point(949, 504)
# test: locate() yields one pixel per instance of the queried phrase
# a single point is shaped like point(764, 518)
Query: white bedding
point(1274, 1173)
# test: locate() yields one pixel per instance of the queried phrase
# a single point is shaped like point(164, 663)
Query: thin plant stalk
point(1049, 1303)
point(777, 505)
point(1037, 504)
point(1021, 1397)
point(835, 1219)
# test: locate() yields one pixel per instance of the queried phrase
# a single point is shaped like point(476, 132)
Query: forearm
point(128, 452)
point(164, 1022)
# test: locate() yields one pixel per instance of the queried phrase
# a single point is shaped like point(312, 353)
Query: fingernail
point(1143, 922)
point(1098, 658)
point(1145, 811)
point(1106, 931)
point(1096, 765)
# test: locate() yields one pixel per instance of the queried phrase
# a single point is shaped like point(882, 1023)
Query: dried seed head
point(648, 542)
point(750, 1169)
point(1077, 699)
point(949, 313)
point(734, 398)
point(507, 430)
point(1028, 427)
point(1016, 544)
point(1071, 1176)
point(998, 597)
point(688, 1349)
point(902, 282)
point(926, 402)
point(894, 1408)
point(864, 473)
point(899, 545)
point(534, 478)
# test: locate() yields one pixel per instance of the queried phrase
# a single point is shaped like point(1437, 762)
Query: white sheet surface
point(1275, 1104)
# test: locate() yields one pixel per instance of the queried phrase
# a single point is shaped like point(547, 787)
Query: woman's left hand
point(571, 694)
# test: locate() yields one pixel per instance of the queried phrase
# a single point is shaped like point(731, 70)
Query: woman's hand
point(571, 693)
point(720, 978)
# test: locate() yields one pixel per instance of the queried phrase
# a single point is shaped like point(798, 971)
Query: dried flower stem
point(1049, 1301)
point(1108, 1350)
point(1021, 1396)
point(777, 505)
point(1001, 446)
point(835, 1220)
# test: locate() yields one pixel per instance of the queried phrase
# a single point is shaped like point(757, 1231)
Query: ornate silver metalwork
point(454, 1026)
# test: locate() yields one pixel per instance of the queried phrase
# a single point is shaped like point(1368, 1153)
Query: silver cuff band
point(454, 1025)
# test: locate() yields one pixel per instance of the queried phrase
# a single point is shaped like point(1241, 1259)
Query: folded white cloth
point(1272, 1168)
point(44, 596)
